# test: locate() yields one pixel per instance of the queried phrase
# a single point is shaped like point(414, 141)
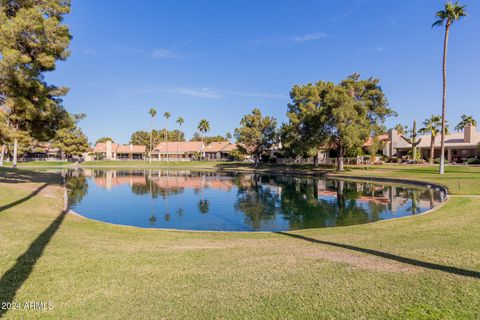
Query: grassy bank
point(423, 267)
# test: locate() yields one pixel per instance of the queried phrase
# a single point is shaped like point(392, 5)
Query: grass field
point(423, 267)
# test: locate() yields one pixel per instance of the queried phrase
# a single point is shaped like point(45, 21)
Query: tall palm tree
point(180, 121)
point(451, 13)
point(203, 127)
point(401, 129)
point(466, 120)
point(432, 125)
point(166, 115)
point(153, 114)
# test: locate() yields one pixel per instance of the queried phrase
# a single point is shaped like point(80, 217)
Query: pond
point(223, 201)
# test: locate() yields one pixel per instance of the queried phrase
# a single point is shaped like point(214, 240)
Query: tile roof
point(230, 147)
point(216, 146)
point(183, 147)
point(119, 148)
point(455, 139)
point(102, 147)
point(131, 149)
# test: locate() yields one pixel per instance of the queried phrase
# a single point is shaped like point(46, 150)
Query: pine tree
point(32, 39)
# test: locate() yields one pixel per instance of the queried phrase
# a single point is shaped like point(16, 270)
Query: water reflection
point(185, 199)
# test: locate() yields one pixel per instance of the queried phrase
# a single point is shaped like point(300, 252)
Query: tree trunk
point(151, 141)
point(178, 141)
point(166, 137)
point(432, 150)
point(444, 99)
point(255, 157)
point(316, 161)
point(2, 155)
point(15, 150)
point(340, 159)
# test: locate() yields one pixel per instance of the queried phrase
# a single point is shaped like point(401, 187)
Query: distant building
point(459, 146)
point(42, 151)
point(384, 143)
point(178, 151)
point(219, 150)
point(113, 151)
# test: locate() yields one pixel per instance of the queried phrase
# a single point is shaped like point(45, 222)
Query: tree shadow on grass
point(19, 201)
point(13, 176)
point(14, 278)
point(386, 255)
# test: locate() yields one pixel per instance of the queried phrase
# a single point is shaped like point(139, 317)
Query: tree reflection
point(263, 202)
point(258, 200)
point(77, 186)
point(203, 206)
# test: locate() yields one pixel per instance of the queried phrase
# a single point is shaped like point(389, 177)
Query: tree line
point(340, 116)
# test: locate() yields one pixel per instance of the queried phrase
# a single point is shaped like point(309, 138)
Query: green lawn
point(422, 267)
point(41, 164)
point(458, 179)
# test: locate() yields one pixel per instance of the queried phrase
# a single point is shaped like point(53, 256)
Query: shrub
point(473, 161)
point(437, 161)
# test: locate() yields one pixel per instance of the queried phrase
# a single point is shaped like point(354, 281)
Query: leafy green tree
point(339, 116)
point(207, 139)
point(228, 136)
point(143, 137)
point(451, 13)
point(153, 114)
point(432, 125)
point(304, 134)
point(237, 155)
point(256, 133)
point(71, 141)
point(23, 145)
point(32, 38)
point(104, 139)
point(354, 110)
point(5, 136)
point(466, 121)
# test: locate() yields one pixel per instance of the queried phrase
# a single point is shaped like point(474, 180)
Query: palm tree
point(466, 121)
point(452, 12)
point(203, 127)
point(180, 121)
point(153, 114)
point(166, 115)
point(401, 129)
point(432, 125)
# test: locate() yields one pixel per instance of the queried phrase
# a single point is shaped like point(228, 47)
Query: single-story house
point(384, 143)
point(113, 151)
point(42, 151)
point(178, 151)
point(219, 150)
point(459, 146)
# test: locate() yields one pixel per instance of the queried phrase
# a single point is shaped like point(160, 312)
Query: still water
point(191, 200)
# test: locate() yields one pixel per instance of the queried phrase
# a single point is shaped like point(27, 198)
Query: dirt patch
point(362, 261)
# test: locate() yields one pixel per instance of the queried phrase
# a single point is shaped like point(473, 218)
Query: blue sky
point(220, 59)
